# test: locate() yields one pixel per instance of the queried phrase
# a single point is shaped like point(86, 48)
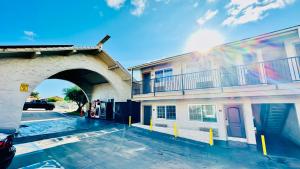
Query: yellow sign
point(24, 87)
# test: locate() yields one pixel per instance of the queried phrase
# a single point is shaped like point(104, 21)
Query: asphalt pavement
point(41, 115)
point(120, 147)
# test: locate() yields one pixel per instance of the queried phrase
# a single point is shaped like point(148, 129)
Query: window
point(209, 113)
point(159, 74)
point(166, 112)
point(163, 73)
point(168, 72)
point(161, 111)
point(195, 112)
point(171, 112)
point(203, 113)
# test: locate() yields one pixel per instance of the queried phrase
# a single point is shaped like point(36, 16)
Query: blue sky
point(141, 30)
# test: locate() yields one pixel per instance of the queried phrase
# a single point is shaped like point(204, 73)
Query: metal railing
point(268, 72)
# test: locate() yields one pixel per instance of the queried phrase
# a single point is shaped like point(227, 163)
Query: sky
point(140, 30)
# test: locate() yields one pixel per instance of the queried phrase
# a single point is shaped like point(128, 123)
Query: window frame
point(170, 113)
point(157, 80)
point(165, 112)
point(202, 113)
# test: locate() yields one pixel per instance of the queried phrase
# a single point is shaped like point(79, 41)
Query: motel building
point(241, 90)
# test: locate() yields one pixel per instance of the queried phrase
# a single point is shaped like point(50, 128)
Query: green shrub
point(54, 99)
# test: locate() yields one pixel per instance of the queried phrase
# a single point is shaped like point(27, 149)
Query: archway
point(96, 73)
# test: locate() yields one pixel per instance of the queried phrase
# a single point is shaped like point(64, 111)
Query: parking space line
point(26, 148)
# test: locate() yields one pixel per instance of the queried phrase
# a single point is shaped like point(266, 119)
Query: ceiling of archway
point(80, 76)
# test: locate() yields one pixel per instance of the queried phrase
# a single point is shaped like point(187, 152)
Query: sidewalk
point(195, 135)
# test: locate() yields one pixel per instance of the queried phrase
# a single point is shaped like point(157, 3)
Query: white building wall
point(182, 115)
point(106, 91)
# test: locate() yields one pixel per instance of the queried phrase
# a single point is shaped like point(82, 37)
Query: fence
point(268, 72)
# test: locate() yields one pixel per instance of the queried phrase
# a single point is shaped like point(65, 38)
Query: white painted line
point(49, 164)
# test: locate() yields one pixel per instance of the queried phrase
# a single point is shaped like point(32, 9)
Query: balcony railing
point(268, 72)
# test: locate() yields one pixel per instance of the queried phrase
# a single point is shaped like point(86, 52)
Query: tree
point(54, 99)
point(75, 94)
point(35, 94)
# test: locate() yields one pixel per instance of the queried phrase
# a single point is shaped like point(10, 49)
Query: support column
point(292, 62)
point(248, 120)
point(263, 78)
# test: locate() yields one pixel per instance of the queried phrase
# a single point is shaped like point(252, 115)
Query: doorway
point(147, 114)
point(278, 123)
point(235, 121)
point(146, 83)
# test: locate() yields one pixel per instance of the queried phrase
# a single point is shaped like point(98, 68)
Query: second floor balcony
point(279, 71)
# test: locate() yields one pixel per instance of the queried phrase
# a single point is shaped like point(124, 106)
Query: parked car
point(7, 150)
point(38, 104)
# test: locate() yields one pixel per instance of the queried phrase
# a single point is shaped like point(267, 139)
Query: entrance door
point(147, 114)
point(235, 127)
point(146, 83)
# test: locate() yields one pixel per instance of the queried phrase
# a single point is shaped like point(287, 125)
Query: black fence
point(268, 72)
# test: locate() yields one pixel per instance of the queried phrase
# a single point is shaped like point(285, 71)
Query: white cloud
point(116, 4)
point(242, 11)
point(202, 40)
point(206, 17)
point(139, 7)
point(29, 35)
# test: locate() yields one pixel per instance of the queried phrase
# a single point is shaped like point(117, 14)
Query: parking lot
point(40, 115)
point(113, 145)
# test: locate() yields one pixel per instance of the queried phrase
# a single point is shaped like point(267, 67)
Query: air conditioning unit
point(161, 125)
point(204, 84)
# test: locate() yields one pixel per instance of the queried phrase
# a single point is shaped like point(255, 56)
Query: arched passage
point(92, 70)
point(83, 78)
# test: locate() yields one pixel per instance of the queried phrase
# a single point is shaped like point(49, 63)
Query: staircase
point(275, 116)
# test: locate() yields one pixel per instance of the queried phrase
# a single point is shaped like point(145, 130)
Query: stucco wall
point(15, 71)
point(291, 129)
point(106, 91)
point(182, 116)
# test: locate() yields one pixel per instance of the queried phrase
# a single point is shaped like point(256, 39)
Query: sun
point(202, 40)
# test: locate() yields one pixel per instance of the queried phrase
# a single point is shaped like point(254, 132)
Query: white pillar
point(262, 72)
point(221, 117)
point(248, 120)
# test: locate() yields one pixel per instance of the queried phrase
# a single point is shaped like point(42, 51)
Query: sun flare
point(202, 40)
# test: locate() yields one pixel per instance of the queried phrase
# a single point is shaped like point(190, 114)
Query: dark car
point(38, 104)
point(7, 150)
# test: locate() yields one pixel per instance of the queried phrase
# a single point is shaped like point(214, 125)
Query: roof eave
point(266, 35)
